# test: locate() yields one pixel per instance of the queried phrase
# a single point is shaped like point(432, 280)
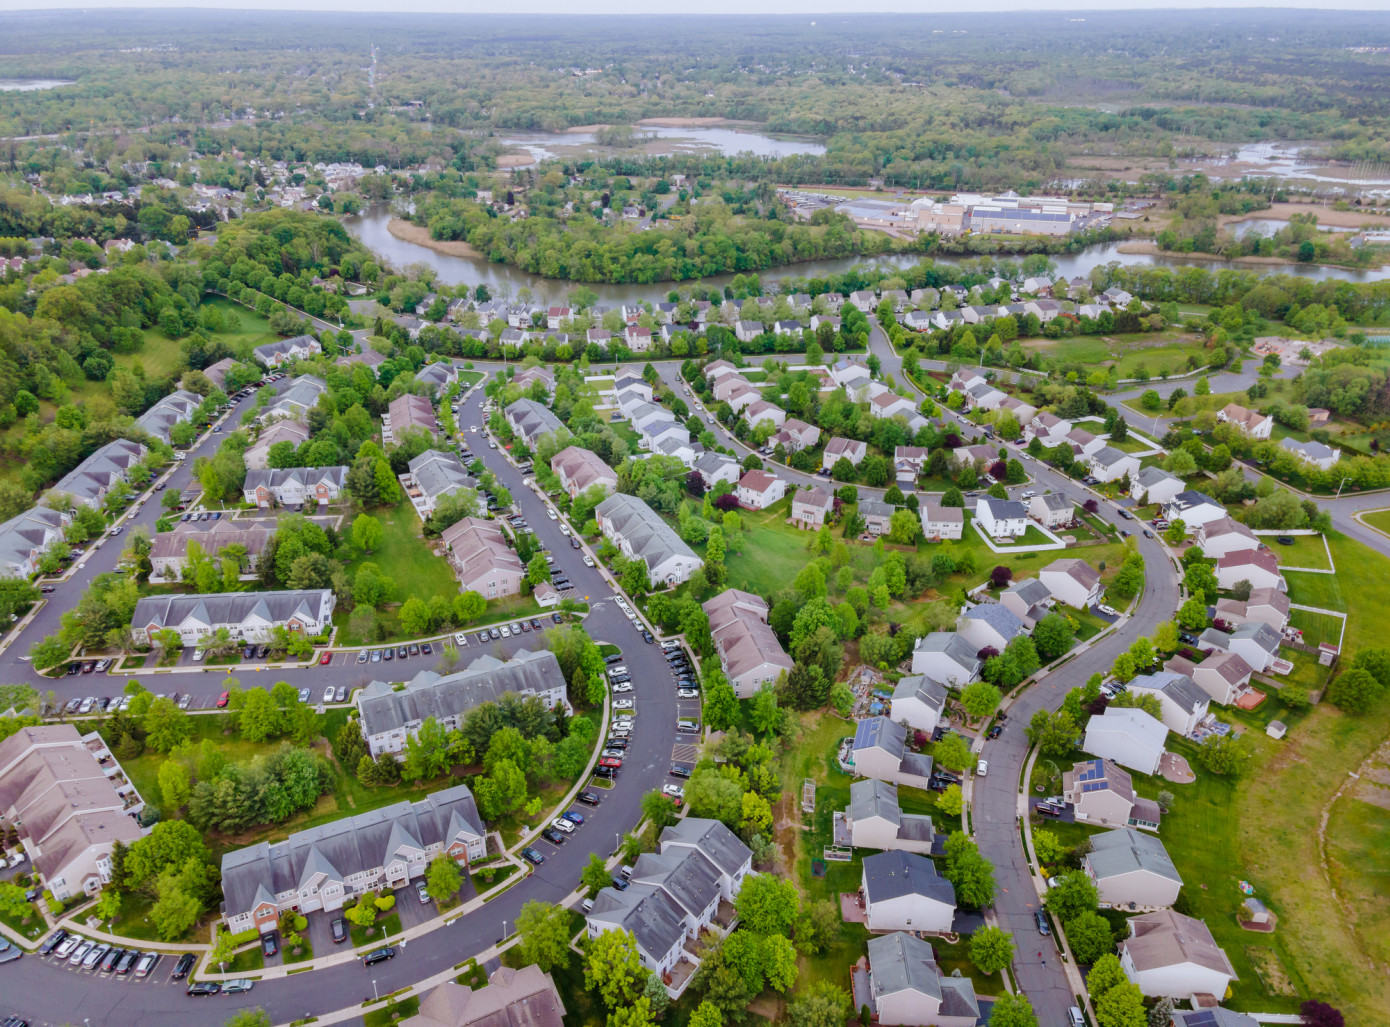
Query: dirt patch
point(408, 231)
point(1272, 973)
point(515, 160)
point(1326, 216)
point(683, 122)
point(1140, 246)
point(768, 1006)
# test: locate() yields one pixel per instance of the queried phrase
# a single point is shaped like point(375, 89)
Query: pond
point(31, 85)
point(661, 140)
point(371, 228)
point(1268, 226)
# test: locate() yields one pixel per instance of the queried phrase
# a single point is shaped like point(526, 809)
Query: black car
point(248, 652)
point(378, 956)
point(553, 836)
point(615, 743)
point(556, 618)
point(574, 542)
point(127, 961)
point(401, 652)
point(184, 965)
point(679, 771)
point(532, 856)
point(110, 960)
point(427, 649)
point(270, 943)
point(620, 882)
point(647, 636)
point(588, 798)
point(414, 649)
point(605, 772)
point(1047, 809)
point(54, 940)
point(200, 988)
point(339, 929)
point(613, 658)
point(536, 624)
point(995, 732)
point(1189, 638)
point(1040, 918)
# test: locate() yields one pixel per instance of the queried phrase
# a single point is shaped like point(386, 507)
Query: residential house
point(1117, 298)
point(1313, 452)
point(1128, 736)
point(1072, 581)
point(903, 892)
point(731, 858)
point(640, 534)
point(906, 988)
point(849, 449)
point(715, 467)
point(880, 751)
point(581, 469)
point(388, 715)
point(368, 357)
point(409, 412)
point(1028, 599)
point(918, 702)
point(864, 299)
point(940, 523)
point(296, 401)
point(1023, 412)
point(989, 626)
point(1154, 486)
point(281, 351)
point(294, 486)
point(1168, 954)
point(1255, 643)
point(169, 550)
point(811, 508)
point(1111, 464)
point(247, 616)
point(1001, 518)
point(747, 331)
point(1257, 566)
point(890, 404)
point(1183, 704)
point(761, 410)
point(432, 476)
point(626, 380)
point(725, 385)
point(482, 559)
point(874, 820)
point(670, 439)
point(877, 516)
point(1083, 443)
point(326, 867)
point(984, 396)
point(743, 396)
point(644, 413)
point(1265, 605)
point(173, 409)
point(1050, 429)
point(1223, 536)
point(946, 657)
point(1223, 676)
point(1131, 868)
point(531, 421)
point(1194, 509)
point(795, 436)
point(439, 375)
point(974, 456)
point(749, 652)
point(511, 998)
point(217, 373)
point(1052, 509)
point(908, 464)
point(1212, 1016)
point(88, 483)
point(853, 377)
point(1102, 793)
point(1252, 422)
point(68, 800)
point(638, 339)
point(757, 490)
point(257, 455)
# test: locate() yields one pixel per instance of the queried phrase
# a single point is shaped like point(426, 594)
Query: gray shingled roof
point(169, 411)
point(1126, 850)
point(306, 477)
point(438, 474)
point(720, 845)
point(101, 470)
point(649, 537)
point(1000, 618)
point(687, 875)
point(870, 797)
point(1153, 475)
point(891, 875)
point(1030, 590)
point(953, 646)
point(901, 962)
point(279, 347)
point(532, 419)
point(1108, 456)
point(651, 915)
point(25, 533)
point(1178, 687)
point(882, 733)
point(231, 607)
point(921, 688)
point(1002, 509)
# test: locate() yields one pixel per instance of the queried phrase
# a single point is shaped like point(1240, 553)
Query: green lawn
point(1316, 627)
point(1129, 444)
point(33, 929)
point(247, 960)
point(386, 926)
point(1359, 851)
point(467, 379)
point(392, 1013)
point(1322, 590)
point(1378, 519)
point(1306, 551)
point(769, 553)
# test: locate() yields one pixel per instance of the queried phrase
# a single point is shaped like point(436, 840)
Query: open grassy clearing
point(1379, 519)
point(1358, 850)
point(1316, 627)
point(1306, 551)
point(1155, 353)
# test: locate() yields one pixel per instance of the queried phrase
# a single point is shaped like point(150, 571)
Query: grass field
point(1358, 848)
point(1306, 551)
point(1316, 627)
point(1158, 353)
point(1378, 519)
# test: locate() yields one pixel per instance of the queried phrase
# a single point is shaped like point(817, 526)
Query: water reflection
point(666, 139)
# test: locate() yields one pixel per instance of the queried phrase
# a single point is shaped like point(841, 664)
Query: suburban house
point(368, 357)
point(880, 751)
point(890, 404)
point(1049, 429)
point(433, 475)
point(848, 449)
point(25, 537)
point(439, 375)
point(1027, 599)
point(811, 508)
point(1128, 736)
point(1102, 793)
point(874, 820)
point(388, 715)
point(247, 616)
point(1212, 1016)
point(980, 456)
point(1083, 443)
point(983, 396)
point(640, 533)
point(257, 455)
point(326, 867)
point(1168, 954)
point(1257, 566)
point(173, 409)
point(1001, 518)
point(717, 369)
point(88, 483)
point(675, 894)
point(764, 410)
point(1194, 509)
point(903, 892)
point(511, 998)
point(877, 515)
point(1052, 509)
point(1253, 423)
point(989, 626)
point(1256, 643)
point(1111, 464)
point(727, 386)
point(908, 464)
point(281, 351)
point(409, 412)
point(217, 373)
point(1153, 485)
point(1023, 412)
point(907, 989)
point(715, 467)
point(1072, 581)
point(296, 401)
point(1131, 868)
point(918, 702)
point(579, 469)
point(294, 486)
point(68, 800)
point(482, 559)
point(531, 420)
point(528, 376)
point(796, 436)
point(941, 522)
point(1265, 605)
point(169, 550)
point(1313, 452)
point(1184, 705)
point(946, 657)
point(749, 652)
point(757, 490)
point(1222, 675)
point(1222, 536)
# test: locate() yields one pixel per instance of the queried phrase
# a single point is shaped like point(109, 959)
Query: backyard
point(1307, 551)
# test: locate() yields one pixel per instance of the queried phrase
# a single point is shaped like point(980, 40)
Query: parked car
point(378, 956)
point(981, 768)
point(588, 798)
point(553, 836)
point(422, 893)
point(270, 944)
point(620, 883)
point(146, 963)
point(532, 856)
point(341, 694)
point(678, 770)
point(66, 946)
point(126, 962)
point(329, 692)
point(303, 695)
point(1040, 918)
point(339, 930)
point(673, 790)
point(238, 986)
point(182, 967)
point(52, 942)
point(109, 961)
point(200, 988)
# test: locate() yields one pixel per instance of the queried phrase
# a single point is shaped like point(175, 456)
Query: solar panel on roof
point(1201, 1018)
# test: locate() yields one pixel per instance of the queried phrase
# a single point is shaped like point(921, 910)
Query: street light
point(1339, 487)
point(375, 997)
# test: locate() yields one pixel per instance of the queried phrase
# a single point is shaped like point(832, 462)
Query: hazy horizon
point(725, 8)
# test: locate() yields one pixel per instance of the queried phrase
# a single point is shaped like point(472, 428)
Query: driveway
point(319, 933)
point(411, 910)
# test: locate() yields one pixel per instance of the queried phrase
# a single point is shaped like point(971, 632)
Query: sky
point(809, 8)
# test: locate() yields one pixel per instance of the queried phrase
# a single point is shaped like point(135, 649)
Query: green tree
point(174, 786)
point(595, 875)
point(980, 699)
point(613, 969)
point(1088, 933)
point(166, 726)
point(1071, 895)
point(951, 801)
point(544, 935)
point(821, 1004)
point(1355, 690)
point(1121, 1006)
point(1012, 1011)
point(763, 712)
point(721, 706)
point(953, 752)
point(706, 1015)
point(367, 533)
point(991, 949)
point(443, 878)
point(969, 872)
point(1106, 973)
point(249, 1018)
point(1052, 636)
point(770, 906)
point(415, 617)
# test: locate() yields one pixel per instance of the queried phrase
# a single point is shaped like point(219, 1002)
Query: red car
point(676, 800)
point(325, 658)
point(222, 699)
point(609, 761)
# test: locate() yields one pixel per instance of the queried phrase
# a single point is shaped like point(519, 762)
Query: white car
point(506, 631)
point(622, 686)
point(473, 429)
point(328, 694)
point(461, 639)
point(623, 704)
point(981, 768)
point(675, 790)
point(561, 824)
point(198, 654)
point(551, 514)
point(588, 561)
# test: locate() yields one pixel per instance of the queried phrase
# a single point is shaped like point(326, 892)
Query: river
point(370, 228)
point(31, 85)
point(666, 139)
